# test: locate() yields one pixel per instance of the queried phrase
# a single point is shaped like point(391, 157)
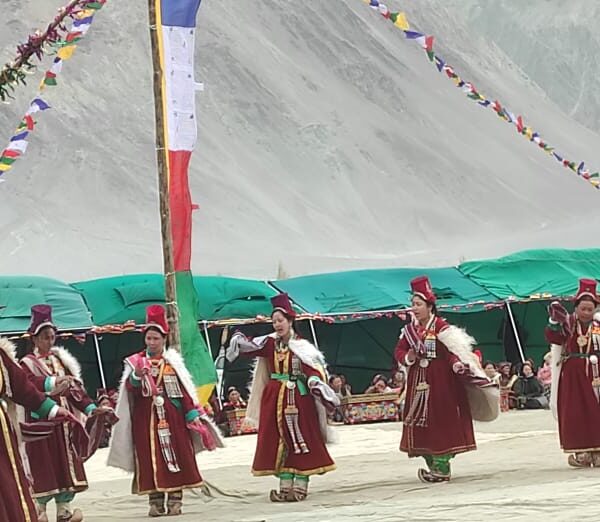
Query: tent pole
point(314, 333)
point(218, 362)
point(514, 327)
point(99, 357)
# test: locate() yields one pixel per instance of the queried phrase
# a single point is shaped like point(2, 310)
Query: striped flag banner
point(176, 34)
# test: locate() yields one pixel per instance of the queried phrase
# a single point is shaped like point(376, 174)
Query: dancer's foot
point(430, 477)
point(580, 460)
point(279, 496)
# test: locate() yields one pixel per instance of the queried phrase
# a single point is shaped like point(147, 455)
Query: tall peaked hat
point(422, 287)
point(156, 316)
point(587, 288)
point(282, 303)
point(41, 316)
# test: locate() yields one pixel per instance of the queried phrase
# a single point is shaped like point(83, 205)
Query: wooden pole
point(162, 159)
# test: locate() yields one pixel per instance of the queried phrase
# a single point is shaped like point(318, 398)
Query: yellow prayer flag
point(204, 392)
point(402, 22)
point(4, 168)
point(86, 13)
point(65, 53)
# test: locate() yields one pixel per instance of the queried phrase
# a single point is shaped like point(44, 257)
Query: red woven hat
point(422, 287)
point(156, 316)
point(41, 316)
point(587, 288)
point(282, 303)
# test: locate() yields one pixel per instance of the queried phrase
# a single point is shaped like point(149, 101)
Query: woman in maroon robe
point(437, 412)
point(287, 399)
point(57, 469)
point(16, 501)
point(159, 421)
point(575, 389)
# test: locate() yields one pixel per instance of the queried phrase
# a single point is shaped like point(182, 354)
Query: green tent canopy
point(116, 300)
point(551, 272)
point(385, 289)
point(228, 297)
point(19, 293)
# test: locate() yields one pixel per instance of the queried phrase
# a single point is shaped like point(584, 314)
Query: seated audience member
point(529, 392)
point(336, 384)
point(490, 370)
point(398, 381)
point(507, 379)
point(234, 400)
point(544, 374)
point(378, 385)
point(347, 389)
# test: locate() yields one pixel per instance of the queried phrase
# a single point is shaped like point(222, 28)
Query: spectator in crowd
point(506, 381)
point(507, 374)
point(398, 381)
point(529, 392)
point(234, 400)
point(337, 385)
point(379, 384)
point(544, 374)
point(345, 385)
point(491, 371)
point(398, 385)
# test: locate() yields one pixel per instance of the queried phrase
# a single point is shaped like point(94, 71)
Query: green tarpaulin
point(386, 289)
point(534, 272)
point(115, 300)
point(19, 293)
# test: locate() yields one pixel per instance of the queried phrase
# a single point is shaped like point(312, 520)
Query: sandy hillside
point(326, 142)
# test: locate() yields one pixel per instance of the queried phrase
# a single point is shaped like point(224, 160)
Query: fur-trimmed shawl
point(261, 375)
point(65, 357)
point(8, 348)
point(484, 396)
point(122, 453)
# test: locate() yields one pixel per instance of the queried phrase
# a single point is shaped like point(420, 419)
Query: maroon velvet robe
point(55, 467)
point(273, 454)
point(578, 407)
point(449, 428)
point(16, 502)
point(151, 472)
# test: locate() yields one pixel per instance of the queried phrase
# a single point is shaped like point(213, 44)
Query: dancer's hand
point(557, 312)
point(100, 410)
point(459, 368)
point(140, 371)
point(62, 386)
point(62, 414)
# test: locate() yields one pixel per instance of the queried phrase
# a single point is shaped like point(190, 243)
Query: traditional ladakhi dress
point(56, 468)
point(292, 423)
point(152, 438)
point(440, 405)
point(575, 390)
point(16, 502)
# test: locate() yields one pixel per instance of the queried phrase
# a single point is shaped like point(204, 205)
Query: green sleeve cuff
point(191, 415)
point(49, 384)
point(44, 409)
point(312, 379)
point(135, 381)
point(89, 408)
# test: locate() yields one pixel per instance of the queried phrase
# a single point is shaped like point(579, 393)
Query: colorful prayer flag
point(177, 34)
